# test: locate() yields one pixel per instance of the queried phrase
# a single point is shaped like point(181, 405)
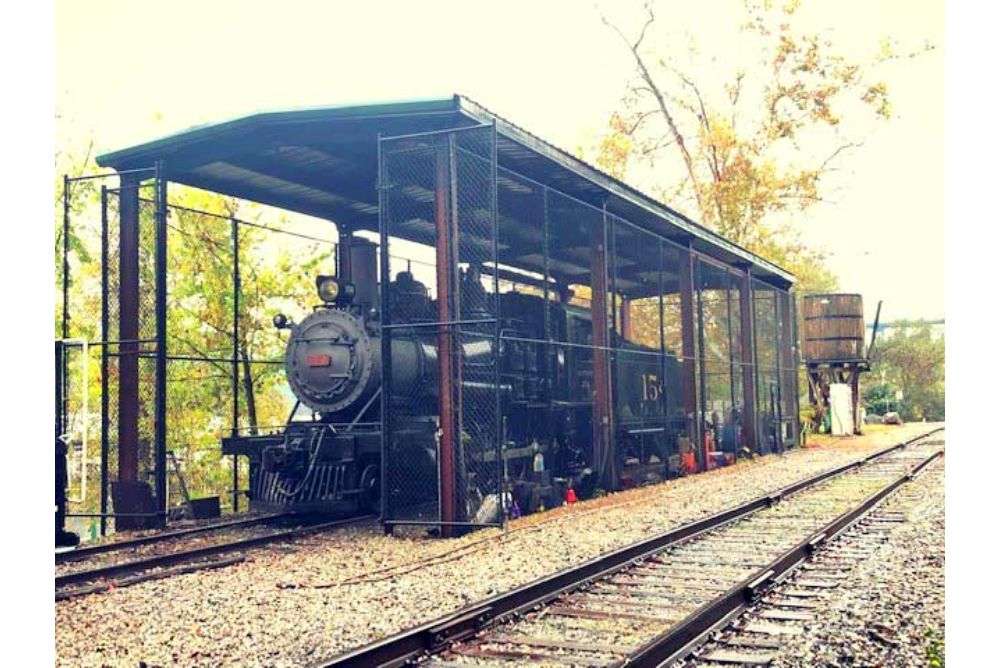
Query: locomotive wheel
point(369, 486)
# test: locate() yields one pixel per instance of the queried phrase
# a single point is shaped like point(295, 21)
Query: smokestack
point(358, 265)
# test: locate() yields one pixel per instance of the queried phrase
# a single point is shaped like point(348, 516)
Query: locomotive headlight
point(328, 288)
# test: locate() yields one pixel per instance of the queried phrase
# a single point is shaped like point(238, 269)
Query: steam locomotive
point(330, 462)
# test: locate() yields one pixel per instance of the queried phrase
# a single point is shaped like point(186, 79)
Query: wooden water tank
point(833, 327)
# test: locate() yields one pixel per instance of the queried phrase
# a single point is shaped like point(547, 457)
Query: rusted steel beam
point(128, 332)
point(603, 459)
point(445, 292)
point(689, 388)
point(748, 361)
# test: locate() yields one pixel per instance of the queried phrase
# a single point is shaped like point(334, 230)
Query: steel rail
point(692, 631)
point(181, 556)
point(86, 551)
point(438, 634)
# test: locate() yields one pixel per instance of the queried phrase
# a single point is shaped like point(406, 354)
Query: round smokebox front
point(329, 360)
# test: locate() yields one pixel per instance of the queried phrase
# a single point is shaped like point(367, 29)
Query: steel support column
point(603, 457)
point(128, 334)
point(749, 361)
point(689, 390)
point(702, 369)
point(446, 314)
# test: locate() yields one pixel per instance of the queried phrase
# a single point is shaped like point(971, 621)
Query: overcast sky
point(127, 72)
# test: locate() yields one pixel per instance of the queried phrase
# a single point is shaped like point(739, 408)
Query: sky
point(127, 72)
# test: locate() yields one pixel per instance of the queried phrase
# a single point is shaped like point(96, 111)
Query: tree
point(752, 147)
point(277, 275)
point(911, 360)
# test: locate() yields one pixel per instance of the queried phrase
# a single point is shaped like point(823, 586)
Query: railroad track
point(82, 578)
point(760, 634)
point(88, 551)
point(649, 604)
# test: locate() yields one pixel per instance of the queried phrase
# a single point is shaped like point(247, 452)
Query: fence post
point(105, 337)
point(65, 261)
point(749, 361)
point(386, 335)
point(497, 418)
point(160, 408)
point(236, 359)
point(62, 407)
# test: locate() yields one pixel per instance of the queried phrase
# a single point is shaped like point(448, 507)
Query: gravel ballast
point(890, 612)
point(295, 604)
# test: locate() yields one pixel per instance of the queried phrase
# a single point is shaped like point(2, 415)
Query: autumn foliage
point(747, 151)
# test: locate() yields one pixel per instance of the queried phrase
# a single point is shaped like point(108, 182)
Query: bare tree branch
point(824, 166)
point(658, 146)
point(647, 77)
point(734, 97)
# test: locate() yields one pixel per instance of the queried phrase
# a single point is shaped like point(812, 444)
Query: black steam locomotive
point(331, 461)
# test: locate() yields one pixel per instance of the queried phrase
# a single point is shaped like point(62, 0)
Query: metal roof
point(323, 162)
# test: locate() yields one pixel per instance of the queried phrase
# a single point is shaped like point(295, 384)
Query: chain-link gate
point(440, 334)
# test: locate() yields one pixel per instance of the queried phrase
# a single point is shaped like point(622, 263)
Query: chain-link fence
point(93, 352)
point(534, 345)
point(226, 278)
point(777, 368)
point(622, 357)
point(441, 450)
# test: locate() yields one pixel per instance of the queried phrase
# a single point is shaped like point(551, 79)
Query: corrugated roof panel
point(223, 171)
point(300, 145)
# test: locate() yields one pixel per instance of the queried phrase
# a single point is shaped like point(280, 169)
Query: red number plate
point(318, 360)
